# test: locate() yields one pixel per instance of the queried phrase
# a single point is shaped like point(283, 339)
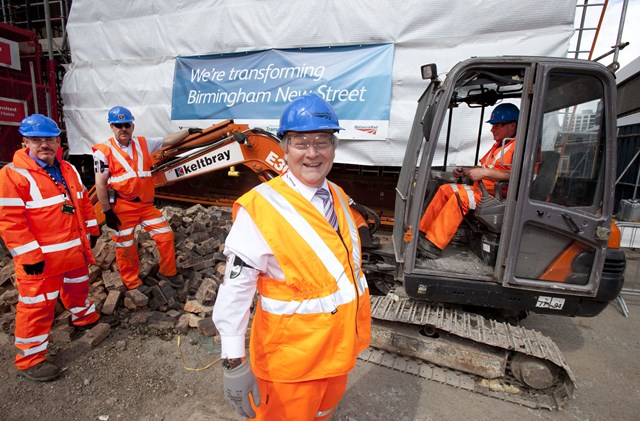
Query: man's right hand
point(238, 383)
point(34, 269)
point(111, 219)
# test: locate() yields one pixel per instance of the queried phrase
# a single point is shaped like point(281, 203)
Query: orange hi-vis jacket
point(313, 323)
point(497, 158)
point(33, 224)
point(129, 176)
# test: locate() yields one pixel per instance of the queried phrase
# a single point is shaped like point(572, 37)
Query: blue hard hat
point(119, 114)
point(38, 125)
point(307, 114)
point(504, 113)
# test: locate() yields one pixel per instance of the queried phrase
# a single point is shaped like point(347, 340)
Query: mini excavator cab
point(545, 244)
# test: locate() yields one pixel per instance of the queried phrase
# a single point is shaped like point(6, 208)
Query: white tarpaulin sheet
point(123, 51)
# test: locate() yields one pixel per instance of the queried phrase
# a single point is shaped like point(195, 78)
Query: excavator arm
point(224, 146)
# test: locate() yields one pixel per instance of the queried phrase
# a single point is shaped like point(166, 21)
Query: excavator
point(545, 243)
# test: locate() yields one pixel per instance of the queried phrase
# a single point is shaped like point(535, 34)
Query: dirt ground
point(137, 375)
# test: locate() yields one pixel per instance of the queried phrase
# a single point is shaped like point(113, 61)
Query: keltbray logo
point(202, 162)
point(367, 129)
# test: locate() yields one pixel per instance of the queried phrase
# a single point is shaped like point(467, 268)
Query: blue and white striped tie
point(329, 212)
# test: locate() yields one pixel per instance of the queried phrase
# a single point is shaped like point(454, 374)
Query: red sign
point(12, 111)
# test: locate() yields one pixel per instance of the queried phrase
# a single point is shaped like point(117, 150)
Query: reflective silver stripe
point(55, 200)
point(32, 339)
point(76, 280)
point(79, 194)
point(79, 179)
point(8, 201)
point(159, 231)
point(325, 413)
point(472, 199)
point(124, 232)
point(153, 221)
point(39, 298)
point(499, 156)
point(353, 231)
point(141, 172)
point(129, 172)
point(123, 244)
point(76, 310)
point(345, 294)
point(34, 350)
point(34, 191)
point(91, 222)
point(91, 309)
point(123, 177)
point(26, 248)
point(61, 246)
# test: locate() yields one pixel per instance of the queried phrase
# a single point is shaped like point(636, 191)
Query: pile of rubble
point(155, 306)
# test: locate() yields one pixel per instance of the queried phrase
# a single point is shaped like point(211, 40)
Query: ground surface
point(134, 375)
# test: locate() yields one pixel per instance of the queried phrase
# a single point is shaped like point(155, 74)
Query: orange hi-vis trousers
point(131, 214)
point(444, 214)
point(301, 401)
point(37, 296)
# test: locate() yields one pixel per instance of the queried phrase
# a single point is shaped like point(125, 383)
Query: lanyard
point(64, 189)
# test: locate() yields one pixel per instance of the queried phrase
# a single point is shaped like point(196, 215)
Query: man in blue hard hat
point(452, 201)
point(49, 227)
point(295, 242)
point(122, 164)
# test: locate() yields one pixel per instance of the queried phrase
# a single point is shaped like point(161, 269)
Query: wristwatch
point(231, 363)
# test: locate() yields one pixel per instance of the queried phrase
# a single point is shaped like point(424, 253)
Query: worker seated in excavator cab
point(452, 201)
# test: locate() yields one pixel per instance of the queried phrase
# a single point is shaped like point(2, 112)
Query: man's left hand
point(476, 174)
point(239, 387)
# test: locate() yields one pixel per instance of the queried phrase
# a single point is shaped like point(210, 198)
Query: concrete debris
point(156, 306)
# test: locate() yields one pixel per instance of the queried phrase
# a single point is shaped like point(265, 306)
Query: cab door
point(562, 216)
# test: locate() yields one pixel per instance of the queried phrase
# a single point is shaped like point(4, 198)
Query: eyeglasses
point(49, 140)
point(122, 125)
point(302, 142)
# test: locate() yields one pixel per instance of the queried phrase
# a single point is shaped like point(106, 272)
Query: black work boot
point(41, 372)
point(111, 319)
point(175, 281)
point(428, 248)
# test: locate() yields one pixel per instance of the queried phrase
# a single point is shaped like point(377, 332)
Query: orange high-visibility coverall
point(444, 213)
point(130, 177)
point(310, 326)
point(35, 228)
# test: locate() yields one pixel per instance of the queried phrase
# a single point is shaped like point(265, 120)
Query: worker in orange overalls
point(49, 227)
point(295, 241)
point(125, 189)
point(452, 201)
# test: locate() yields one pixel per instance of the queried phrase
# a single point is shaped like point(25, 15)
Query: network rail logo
point(372, 130)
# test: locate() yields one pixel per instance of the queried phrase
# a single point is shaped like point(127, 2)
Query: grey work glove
point(238, 383)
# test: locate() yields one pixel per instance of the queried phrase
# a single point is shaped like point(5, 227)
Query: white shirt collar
point(306, 191)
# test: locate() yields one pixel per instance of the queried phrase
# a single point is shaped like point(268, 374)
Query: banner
point(254, 88)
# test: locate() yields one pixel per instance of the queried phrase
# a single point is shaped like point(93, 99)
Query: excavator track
point(515, 341)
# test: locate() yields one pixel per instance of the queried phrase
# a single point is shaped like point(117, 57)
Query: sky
point(609, 31)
